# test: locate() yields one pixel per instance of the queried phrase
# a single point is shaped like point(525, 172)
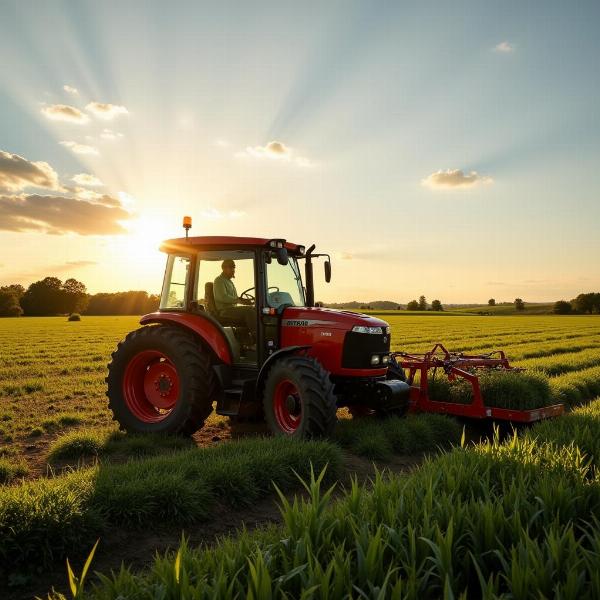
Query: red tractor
point(272, 354)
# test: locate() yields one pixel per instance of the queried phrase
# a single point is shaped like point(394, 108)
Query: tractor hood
point(328, 318)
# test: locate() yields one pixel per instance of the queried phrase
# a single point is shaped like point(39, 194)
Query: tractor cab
point(263, 275)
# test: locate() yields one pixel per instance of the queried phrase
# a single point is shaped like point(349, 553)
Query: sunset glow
point(429, 151)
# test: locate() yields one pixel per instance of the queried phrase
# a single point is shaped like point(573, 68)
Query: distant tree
point(122, 303)
point(519, 304)
point(562, 307)
point(422, 303)
point(492, 302)
point(45, 297)
point(76, 298)
point(437, 306)
point(412, 305)
point(587, 303)
point(16, 288)
point(9, 303)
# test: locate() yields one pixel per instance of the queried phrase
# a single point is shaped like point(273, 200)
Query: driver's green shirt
point(225, 293)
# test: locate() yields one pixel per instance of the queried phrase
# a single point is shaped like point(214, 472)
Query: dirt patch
point(137, 548)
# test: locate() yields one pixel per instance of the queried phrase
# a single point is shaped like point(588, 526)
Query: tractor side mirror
point(327, 266)
point(282, 256)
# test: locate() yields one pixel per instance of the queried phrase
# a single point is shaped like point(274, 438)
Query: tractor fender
point(203, 325)
point(262, 374)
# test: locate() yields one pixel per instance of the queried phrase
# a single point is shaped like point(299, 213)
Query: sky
point(442, 148)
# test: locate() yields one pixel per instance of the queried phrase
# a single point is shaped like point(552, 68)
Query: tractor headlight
point(385, 359)
point(388, 330)
point(375, 359)
point(365, 329)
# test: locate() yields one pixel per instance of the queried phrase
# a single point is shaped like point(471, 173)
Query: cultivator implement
point(421, 369)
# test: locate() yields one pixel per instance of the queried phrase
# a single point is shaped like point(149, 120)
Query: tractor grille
point(359, 347)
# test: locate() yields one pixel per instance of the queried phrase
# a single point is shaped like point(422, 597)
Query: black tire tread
point(193, 366)
point(316, 389)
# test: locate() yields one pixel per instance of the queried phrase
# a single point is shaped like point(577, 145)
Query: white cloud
point(71, 90)
point(504, 47)
point(61, 215)
point(105, 110)
point(87, 179)
point(17, 173)
point(108, 134)
point(80, 148)
point(64, 112)
point(276, 151)
point(215, 214)
point(454, 178)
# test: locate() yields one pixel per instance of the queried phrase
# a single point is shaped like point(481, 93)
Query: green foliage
point(378, 439)
point(496, 520)
point(41, 521)
point(519, 304)
point(436, 305)
point(11, 469)
point(501, 389)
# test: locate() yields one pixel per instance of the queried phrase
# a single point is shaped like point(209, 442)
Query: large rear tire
point(160, 381)
point(298, 399)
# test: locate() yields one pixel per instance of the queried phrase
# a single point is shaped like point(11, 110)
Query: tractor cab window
point(226, 290)
point(176, 282)
point(284, 284)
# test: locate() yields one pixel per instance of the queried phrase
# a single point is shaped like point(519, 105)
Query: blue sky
point(449, 149)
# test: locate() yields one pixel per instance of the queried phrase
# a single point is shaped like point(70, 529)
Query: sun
point(142, 242)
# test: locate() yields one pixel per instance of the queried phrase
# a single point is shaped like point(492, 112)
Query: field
point(65, 484)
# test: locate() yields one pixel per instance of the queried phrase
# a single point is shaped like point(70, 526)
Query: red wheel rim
point(287, 406)
point(150, 386)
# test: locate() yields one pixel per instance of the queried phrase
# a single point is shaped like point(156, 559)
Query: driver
point(227, 299)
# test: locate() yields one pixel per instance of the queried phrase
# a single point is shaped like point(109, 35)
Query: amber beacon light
point(187, 224)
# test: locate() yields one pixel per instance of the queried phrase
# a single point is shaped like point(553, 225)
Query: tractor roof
point(225, 242)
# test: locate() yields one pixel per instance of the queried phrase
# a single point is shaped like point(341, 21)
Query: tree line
point(584, 304)
point(51, 296)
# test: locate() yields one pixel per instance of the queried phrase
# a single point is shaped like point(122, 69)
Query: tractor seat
point(211, 307)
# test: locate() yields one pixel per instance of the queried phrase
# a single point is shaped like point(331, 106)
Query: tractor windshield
point(284, 284)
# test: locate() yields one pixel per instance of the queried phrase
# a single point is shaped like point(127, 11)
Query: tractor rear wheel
point(160, 381)
point(298, 398)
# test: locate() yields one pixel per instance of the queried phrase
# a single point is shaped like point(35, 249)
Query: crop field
point(68, 477)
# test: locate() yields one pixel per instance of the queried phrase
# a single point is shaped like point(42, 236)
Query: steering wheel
point(247, 296)
point(272, 287)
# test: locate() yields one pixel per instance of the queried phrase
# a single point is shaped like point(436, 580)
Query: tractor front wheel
point(160, 381)
point(298, 399)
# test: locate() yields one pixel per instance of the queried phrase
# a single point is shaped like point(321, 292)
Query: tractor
point(289, 361)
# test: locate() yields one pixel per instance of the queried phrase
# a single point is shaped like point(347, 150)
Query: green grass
point(11, 469)
point(500, 389)
point(380, 439)
point(497, 520)
point(42, 520)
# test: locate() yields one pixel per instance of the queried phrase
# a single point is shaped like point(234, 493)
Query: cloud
point(62, 215)
point(87, 179)
point(275, 150)
point(80, 148)
point(80, 263)
point(64, 112)
point(454, 178)
point(17, 173)
point(71, 90)
point(504, 48)
point(215, 214)
point(107, 134)
point(106, 111)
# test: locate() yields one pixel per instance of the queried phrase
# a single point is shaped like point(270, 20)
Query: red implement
point(466, 366)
